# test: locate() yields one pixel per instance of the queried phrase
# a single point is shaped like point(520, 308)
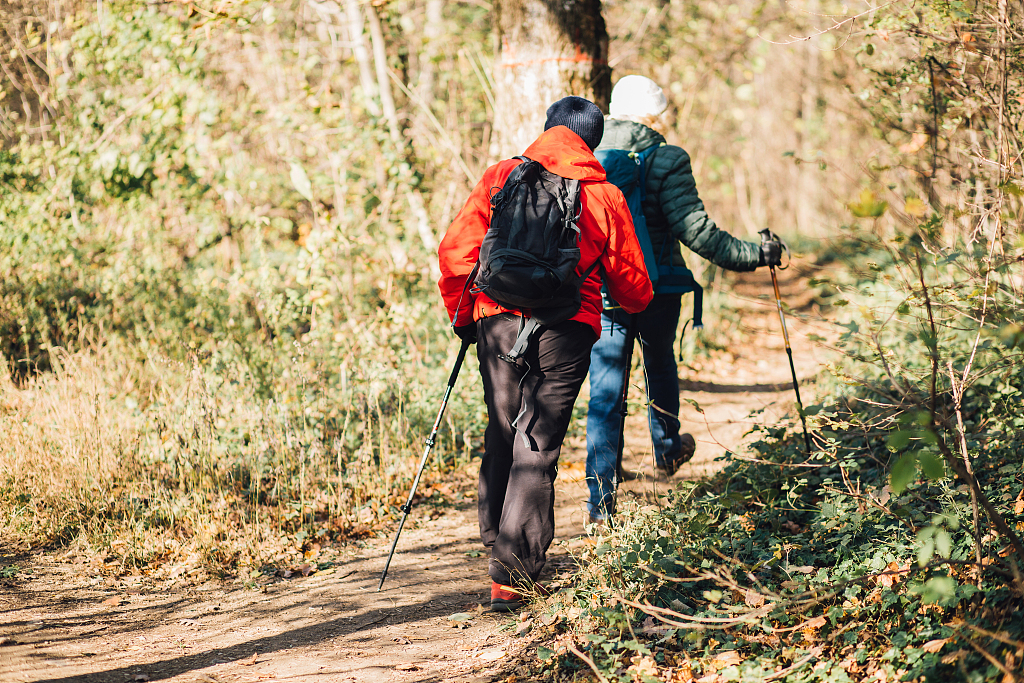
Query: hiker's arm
point(689, 222)
point(460, 248)
point(623, 261)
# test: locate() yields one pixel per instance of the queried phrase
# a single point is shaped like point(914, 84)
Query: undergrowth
point(220, 340)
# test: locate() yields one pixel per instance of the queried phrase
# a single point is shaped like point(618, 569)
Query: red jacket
point(606, 234)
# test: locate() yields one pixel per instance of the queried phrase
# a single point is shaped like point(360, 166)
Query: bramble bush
point(893, 551)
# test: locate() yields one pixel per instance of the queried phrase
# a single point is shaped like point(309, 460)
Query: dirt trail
point(60, 624)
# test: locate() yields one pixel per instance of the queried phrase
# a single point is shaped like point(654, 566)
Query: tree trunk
point(380, 61)
point(358, 43)
point(549, 49)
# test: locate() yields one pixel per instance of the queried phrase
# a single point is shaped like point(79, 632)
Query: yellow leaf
point(869, 205)
point(917, 141)
point(915, 207)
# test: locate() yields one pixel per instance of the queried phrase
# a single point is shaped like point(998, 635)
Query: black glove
point(466, 333)
point(771, 253)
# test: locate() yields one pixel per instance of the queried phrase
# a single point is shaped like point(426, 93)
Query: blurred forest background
point(219, 225)
point(219, 323)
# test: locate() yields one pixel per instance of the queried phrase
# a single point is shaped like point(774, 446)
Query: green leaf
point(925, 545)
point(903, 472)
point(935, 589)
point(545, 654)
point(943, 543)
point(898, 440)
point(932, 465)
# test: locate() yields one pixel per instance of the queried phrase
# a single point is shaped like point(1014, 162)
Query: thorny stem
point(933, 347)
point(588, 661)
point(958, 394)
point(773, 601)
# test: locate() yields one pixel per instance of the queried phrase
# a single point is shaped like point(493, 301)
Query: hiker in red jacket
point(529, 402)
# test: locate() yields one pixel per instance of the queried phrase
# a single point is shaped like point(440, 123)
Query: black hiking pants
point(529, 406)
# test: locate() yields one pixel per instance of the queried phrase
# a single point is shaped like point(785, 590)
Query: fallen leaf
point(402, 641)
point(550, 619)
point(953, 656)
point(803, 570)
point(644, 668)
point(572, 471)
point(1018, 505)
point(934, 645)
point(816, 622)
point(892, 575)
point(652, 628)
point(724, 659)
point(112, 602)
point(753, 599)
point(305, 569)
point(141, 677)
point(407, 667)
point(250, 661)
point(460, 617)
point(490, 654)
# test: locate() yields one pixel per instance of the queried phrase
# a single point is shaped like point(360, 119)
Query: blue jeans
point(608, 359)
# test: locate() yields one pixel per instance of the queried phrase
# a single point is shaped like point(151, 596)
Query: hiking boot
point(628, 475)
point(686, 449)
point(505, 598)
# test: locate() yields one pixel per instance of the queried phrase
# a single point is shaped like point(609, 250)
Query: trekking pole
point(634, 323)
point(407, 508)
point(766, 236)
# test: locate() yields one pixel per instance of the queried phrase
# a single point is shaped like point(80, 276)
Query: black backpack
point(528, 257)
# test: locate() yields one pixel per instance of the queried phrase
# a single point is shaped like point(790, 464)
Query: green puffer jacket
point(672, 206)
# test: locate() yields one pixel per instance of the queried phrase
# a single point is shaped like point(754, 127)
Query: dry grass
point(170, 468)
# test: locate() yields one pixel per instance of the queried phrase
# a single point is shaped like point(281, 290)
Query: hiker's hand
point(466, 333)
point(771, 253)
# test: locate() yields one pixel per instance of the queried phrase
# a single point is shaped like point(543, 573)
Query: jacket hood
point(628, 135)
point(564, 153)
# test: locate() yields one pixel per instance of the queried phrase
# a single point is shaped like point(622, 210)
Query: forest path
point(61, 624)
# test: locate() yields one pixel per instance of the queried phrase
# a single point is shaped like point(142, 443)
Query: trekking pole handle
point(766, 236)
point(407, 508)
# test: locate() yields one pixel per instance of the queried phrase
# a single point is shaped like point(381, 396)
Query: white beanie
point(637, 96)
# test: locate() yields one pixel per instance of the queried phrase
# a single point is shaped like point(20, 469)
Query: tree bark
point(548, 49)
point(362, 55)
point(380, 61)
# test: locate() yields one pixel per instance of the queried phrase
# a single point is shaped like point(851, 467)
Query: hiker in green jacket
point(675, 215)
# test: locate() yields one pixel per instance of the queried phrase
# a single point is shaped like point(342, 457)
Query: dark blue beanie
point(580, 116)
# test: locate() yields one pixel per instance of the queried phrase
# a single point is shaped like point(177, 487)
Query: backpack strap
point(527, 326)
